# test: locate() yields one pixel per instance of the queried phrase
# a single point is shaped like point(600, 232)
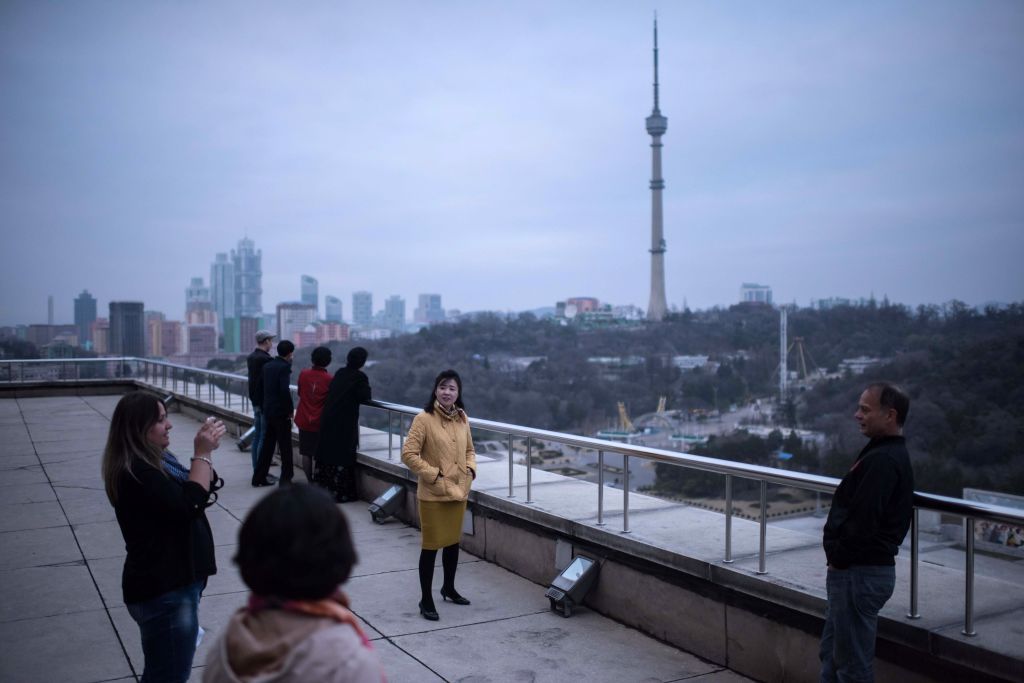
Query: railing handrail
point(772, 475)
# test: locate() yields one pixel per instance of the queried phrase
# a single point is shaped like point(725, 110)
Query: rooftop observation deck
point(753, 610)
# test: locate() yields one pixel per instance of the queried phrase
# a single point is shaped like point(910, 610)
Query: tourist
point(313, 383)
point(161, 509)
point(439, 450)
point(335, 462)
point(294, 552)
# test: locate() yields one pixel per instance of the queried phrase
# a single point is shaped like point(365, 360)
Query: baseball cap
point(264, 335)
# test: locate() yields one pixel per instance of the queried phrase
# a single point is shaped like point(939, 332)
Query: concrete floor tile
point(85, 505)
point(32, 592)
point(400, 667)
point(720, 676)
point(13, 462)
point(548, 647)
point(27, 493)
point(31, 474)
point(80, 471)
point(100, 539)
point(38, 547)
point(71, 648)
point(32, 516)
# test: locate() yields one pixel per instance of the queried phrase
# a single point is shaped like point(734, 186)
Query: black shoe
point(429, 613)
point(272, 479)
point(450, 594)
point(265, 482)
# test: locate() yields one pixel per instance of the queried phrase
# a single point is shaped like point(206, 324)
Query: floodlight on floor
point(246, 439)
point(387, 503)
point(572, 585)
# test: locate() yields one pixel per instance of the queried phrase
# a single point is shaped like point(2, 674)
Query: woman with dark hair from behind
point(161, 509)
point(439, 451)
point(335, 462)
point(313, 383)
point(294, 552)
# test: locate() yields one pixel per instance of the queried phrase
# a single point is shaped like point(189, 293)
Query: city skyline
point(497, 155)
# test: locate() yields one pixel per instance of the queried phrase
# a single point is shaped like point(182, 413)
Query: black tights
point(449, 562)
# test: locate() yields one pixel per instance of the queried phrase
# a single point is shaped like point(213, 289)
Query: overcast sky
point(495, 152)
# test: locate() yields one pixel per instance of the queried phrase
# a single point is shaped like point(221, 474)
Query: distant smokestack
point(49, 310)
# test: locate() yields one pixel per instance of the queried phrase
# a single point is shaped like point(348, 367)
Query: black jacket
point(256, 360)
point(277, 397)
point(168, 539)
point(339, 422)
point(872, 508)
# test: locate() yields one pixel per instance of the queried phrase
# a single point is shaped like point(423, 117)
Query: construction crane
point(624, 421)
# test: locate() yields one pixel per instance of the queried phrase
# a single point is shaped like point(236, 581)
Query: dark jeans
point(278, 434)
point(258, 423)
point(855, 596)
point(169, 624)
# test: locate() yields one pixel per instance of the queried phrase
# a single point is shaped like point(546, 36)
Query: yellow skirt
point(441, 523)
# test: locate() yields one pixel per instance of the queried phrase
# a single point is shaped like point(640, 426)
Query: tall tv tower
point(656, 127)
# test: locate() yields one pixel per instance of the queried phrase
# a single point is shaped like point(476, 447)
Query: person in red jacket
point(313, 384)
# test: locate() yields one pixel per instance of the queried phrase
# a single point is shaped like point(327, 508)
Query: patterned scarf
point(174, 468)
point(455, 413)
point(334, 607)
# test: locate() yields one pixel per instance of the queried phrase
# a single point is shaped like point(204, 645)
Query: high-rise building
point(85, 314)
point(164, 338)
point(331, 331)
point(222, 289)
point(751, 293)
point(248, 279)
point(202, 339)
point(394, 313)
point(332, 309)
point(311, 292)
point(293, 317)
point(127, 329)
point(656, 127)
point(151, 321)
point(100, 333)
point(362, 308)
point(240, 334)
point(197, 295)
point(429, 309)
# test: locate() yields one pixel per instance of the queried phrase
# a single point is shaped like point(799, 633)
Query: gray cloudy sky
point(495, 152)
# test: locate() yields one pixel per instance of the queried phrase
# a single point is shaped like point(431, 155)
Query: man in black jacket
point(277, 411)
point(259, 357)
point(869, 518)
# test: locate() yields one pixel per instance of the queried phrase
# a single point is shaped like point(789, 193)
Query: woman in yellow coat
point(439, 450)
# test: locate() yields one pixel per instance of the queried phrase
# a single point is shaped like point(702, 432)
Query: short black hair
point(442, 376)
point(891, 397)
point(295, 545)
point(284, 347)
point(321, 356)
point(356, 358)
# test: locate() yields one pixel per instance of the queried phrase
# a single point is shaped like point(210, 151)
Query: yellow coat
point(437, 446)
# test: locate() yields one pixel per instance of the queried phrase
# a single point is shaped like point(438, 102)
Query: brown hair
point(133, 417)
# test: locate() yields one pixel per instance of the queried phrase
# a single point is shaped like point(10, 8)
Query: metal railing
point(232, 390)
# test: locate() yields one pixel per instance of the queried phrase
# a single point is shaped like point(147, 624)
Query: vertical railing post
point(391, 434)
point(728, 519)
point(510, 492)
point(529, 469)
point(914, 557)
point(600, 488)
point(764, 528)
point(625, 494)
point(968, 629)
point(401, 432)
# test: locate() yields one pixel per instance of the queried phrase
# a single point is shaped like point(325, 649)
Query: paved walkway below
point(61, 553)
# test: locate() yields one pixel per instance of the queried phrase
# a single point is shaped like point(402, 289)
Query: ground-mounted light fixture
point(246, 439)
point(168, 400)
point(572, 585)
point(387, 503)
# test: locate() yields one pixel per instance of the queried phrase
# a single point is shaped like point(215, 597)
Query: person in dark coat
point(277, 411)
point(335, 459)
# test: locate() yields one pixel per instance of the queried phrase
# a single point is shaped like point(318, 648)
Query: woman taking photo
point(161, 508)
point(439, 450)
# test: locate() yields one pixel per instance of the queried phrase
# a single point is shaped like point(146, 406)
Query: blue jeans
point(855, 596)
point(260, 424)
point(169, 624)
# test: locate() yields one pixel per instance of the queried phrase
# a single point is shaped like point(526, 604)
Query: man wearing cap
point(256, 360)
